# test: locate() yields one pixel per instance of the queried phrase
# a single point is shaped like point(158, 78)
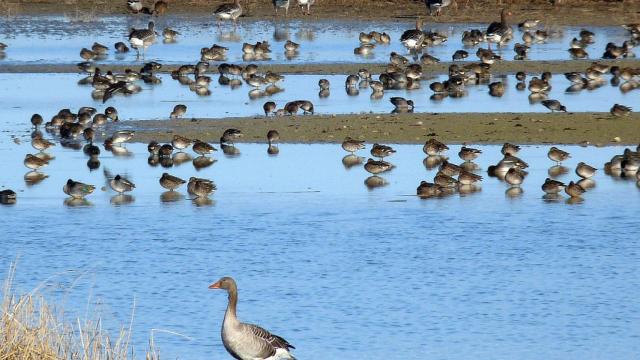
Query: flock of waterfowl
point(510, 169)
point(246, 341)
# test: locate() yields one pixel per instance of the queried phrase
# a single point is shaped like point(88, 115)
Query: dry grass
point(33, 329)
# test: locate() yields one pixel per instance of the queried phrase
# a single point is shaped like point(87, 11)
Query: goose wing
point(268, 341)
point(225, 8)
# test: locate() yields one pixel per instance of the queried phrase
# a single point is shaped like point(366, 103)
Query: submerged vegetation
point(31, 328)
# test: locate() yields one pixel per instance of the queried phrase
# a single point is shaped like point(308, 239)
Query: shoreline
point(413, 128)
point(571, 12)
point(501, 67)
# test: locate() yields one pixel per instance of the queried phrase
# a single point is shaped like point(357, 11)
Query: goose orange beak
point(215, 285)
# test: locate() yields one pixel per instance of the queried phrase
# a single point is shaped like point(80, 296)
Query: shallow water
point(47, 93)
point(58, 39)
point(339, 270)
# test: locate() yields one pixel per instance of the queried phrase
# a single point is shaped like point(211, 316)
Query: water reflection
point(34, 177)
point(76, 202)
point(557, 170)
point(202, 162)
point(171, 196)
point(122, 199)
point(352, 160)
point(375, 181)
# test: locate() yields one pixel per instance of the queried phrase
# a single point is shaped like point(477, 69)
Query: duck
point(552, 187)
point(578, 53)
point(377, 166)
point(111, 113)
point(273, 136)
point(574, 190)
point(291, 107)
point(7, 197)
point(528, 24)
point(87, 54)
point(413, 39)
point(34, 163)
point(401, 103)
point(514, 176)
point(269, 107)
point(352, 145)
point(620, 110)
point(142, 38)
point(41, 144)
point(427, 189)
point(469, 154)
point(449, 169)
point(382, 151)
point(427, 59)
point(170, 182)
point(281, 4)
point(306, 106)
point(291, 46)
point(468, 178)
point(499, 32)
point(77, 190)
point(165, 150)
point(537, 85)
point(433, 147)
point(160, 8)
point(229, 11)
point(436, 5)
point(122, 136)
point(459, 55)
point(36, 120)
point(247, 341)
point(121, 47)
point(178, 111)
point(307, 3)
point(169, 34)
point(496, 88)
point(558, 155)
point(554, 105)
point(121, 185)
point(202, 148)
point(201, 187)
point(181, 142)
point(324, 84)
point(585, 171)
point(229, 135)
point(510, 149)
point(445, 181)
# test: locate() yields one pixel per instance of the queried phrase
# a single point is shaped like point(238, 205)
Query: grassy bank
point(31, 328)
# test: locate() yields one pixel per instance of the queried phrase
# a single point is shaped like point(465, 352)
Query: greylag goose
point(413, 39)
point(499, 32)
point(228, 12)
point(247, 341)
point(142, 38)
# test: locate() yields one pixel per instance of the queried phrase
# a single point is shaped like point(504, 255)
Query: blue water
point(24, 94)
point(339, 270)
point(59, 39)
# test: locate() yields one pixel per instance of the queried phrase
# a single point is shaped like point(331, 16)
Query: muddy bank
point(503, 67)
point(569, 12)
point(522, 128)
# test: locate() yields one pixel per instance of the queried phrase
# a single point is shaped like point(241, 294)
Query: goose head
point(225, 283)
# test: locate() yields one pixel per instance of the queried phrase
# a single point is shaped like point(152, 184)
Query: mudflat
point(564, 12)
point(521, 128)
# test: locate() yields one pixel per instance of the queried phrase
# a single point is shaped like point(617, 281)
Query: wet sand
point(522, 128)
point(570, 12)
point(503, 67)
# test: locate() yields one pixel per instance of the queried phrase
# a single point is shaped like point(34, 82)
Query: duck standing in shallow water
point(228, 12)
point(201, 187)
point(558, 155)
point(77, 190)
point(121, 185)
point(170, 182)
point(247, 341)
point(352, 145)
